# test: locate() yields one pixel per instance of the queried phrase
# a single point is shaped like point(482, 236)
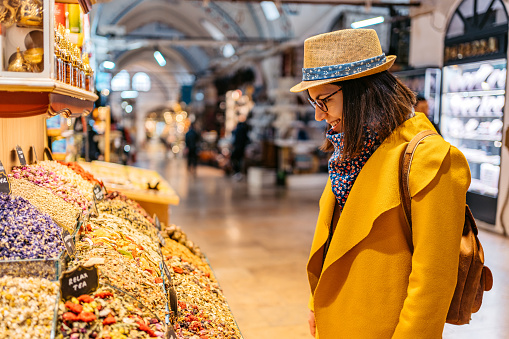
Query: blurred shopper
point(192, 141)
point(240, 141)
point(423, 106)
point(365, 280)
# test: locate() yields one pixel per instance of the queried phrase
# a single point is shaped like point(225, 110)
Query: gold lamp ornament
point(8, 12)
point(18, 64)
point(29, 14)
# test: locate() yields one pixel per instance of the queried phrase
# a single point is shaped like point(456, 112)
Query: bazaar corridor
point(257, 241)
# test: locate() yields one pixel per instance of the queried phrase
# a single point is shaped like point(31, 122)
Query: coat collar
point(376, 190)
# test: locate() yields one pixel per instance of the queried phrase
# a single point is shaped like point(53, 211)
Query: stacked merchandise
point(133, 297)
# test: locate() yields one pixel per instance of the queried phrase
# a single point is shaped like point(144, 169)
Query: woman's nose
point(319, 114)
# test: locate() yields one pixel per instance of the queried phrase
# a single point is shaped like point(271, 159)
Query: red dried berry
point(85, 298)
point(86, 317)
point(109, 320)
point(178, 270)
point(146, 329)
point(69, 316)
point(103, 294)
point(159, 280)
point(76, 308)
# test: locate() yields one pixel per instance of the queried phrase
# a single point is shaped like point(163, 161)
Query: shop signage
point(81, 280)
point(48, 153)
point(471, 49)
point(21, 156)
point(98, 192)
point(5, 185)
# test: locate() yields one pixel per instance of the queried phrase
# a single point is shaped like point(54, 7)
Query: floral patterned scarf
point(343, 173)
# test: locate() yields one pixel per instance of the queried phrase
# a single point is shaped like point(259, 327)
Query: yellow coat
point(371, 286)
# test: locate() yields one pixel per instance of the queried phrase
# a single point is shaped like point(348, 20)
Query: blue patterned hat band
point(343, 70)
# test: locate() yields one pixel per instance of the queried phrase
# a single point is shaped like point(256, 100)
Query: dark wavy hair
point(380, 101)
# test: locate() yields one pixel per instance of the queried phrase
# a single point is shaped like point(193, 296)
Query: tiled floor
point(257, 241)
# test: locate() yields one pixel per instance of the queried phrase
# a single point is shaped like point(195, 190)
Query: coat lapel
point(375, 191)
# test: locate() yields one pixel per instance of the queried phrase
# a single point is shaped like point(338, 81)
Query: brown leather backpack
point(473, 277)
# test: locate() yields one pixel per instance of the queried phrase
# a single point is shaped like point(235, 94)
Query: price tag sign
point(48, 153)
point(158, 223)
point(166, 271)
point(170, 333)
point(173, 301)
point(5, 185)
point(162, 242)
point(21, 156)
point(69, 244)
point(81, 280)
point(35, 155)
point(79, 223)
point(98, 192)
point(93, 211)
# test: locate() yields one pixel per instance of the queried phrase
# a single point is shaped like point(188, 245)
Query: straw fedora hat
point(342, 55)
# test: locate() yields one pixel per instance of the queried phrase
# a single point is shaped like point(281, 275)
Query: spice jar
point(59, 66)
point(88, 73)
point(66, 53)
point(81, 69)
point(74, 65)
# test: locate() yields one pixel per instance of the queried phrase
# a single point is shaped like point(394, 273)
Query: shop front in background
point(473, 99)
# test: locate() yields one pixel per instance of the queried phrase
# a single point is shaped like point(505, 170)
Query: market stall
point(77, 261)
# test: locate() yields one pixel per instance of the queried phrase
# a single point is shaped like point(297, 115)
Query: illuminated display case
point(473, 102)
point(472, 118)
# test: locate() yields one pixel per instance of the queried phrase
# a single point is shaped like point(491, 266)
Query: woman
point(365, 281)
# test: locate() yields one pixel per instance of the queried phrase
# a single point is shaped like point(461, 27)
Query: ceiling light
point(368, 22)
point(270, 10)
point(129, 94)
point(159, 58)
point(228, 50)
point(109, 64)
point(213, 30)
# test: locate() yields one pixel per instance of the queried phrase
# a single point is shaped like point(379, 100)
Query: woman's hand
point(312, 323)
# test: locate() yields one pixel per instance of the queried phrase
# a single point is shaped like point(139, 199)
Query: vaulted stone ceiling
point(129, 31)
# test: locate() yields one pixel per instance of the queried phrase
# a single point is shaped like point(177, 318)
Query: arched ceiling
point(129, 31)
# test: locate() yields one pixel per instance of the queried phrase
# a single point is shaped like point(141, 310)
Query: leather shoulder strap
point(406, 162)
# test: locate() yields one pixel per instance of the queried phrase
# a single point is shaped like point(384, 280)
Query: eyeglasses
point(321, 102)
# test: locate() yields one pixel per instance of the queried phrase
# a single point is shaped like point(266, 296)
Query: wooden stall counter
point(144, 186)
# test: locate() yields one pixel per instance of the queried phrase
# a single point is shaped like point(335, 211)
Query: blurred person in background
point(192, 143)
point(370, 278)
point(240, 141)
point(423, 107)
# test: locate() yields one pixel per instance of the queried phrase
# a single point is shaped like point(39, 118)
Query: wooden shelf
point(11, 84)
point(24, 97)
